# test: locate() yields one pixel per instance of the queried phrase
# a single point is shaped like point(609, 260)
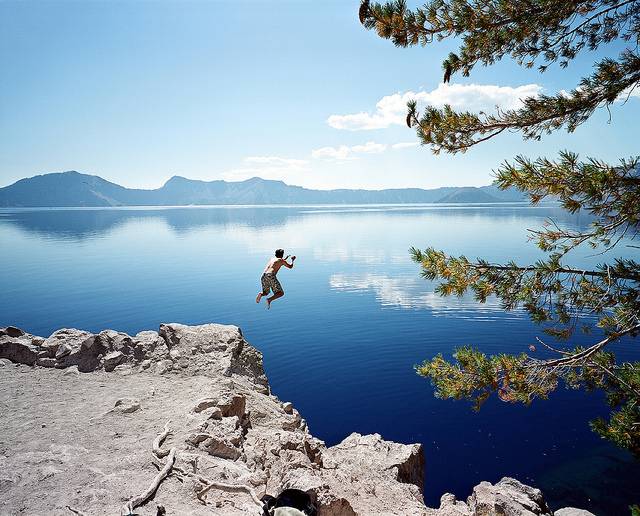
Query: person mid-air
point(270, 281)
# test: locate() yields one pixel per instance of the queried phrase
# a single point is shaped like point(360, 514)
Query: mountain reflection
point(82, 224)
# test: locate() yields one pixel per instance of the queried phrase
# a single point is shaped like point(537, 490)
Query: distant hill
point(76, 189)
point(468, 195)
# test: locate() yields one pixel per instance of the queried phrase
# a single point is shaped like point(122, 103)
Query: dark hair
point(279, 253)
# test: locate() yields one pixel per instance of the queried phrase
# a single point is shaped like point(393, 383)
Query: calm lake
point(342, 343)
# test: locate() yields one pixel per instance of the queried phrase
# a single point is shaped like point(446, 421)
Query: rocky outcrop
point(211, 350)
point(18, 346)
point(85, 440)
point(508, 497)
point(360, 469)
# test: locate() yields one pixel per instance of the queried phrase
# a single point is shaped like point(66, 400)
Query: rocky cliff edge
point(182, 420)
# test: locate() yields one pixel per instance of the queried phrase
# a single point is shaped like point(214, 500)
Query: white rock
point(71, 371)
point(508, 496)
point(572, 511)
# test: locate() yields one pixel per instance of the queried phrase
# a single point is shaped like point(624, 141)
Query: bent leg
point(275, 296)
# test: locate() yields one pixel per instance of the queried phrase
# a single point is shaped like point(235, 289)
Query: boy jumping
point(270, 281)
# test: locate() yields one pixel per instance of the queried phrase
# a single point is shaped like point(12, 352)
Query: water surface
point(342, 343)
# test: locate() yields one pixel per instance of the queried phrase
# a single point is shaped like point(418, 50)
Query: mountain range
point(76, 189)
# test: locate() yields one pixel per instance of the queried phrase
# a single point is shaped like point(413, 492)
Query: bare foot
point(258, 297)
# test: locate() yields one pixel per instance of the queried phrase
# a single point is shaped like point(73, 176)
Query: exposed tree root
point(127, 509)
point(210, 484)
point(157, 442)
point(75, 511)
point(169, 467)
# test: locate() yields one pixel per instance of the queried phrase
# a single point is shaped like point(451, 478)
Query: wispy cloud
point(344, 152)
point(268, 167)
point(392, 109)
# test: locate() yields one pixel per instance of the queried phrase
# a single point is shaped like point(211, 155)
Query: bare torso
point(273, 266)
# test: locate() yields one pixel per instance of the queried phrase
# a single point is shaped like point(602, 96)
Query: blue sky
point(139, 91)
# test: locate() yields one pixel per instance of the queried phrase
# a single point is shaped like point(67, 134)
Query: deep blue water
point(342, 343)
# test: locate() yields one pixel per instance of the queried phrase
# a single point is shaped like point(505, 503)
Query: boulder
point(18, 346)
point(148, 345)
point(508, 497)
point(69, 339)
point(363, 475)
point(110, 341)
point(111, 360)
point(372, 453)
point(12, 331)
point(70, 346)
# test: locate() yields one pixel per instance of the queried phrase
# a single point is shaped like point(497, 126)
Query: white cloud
point(369, 148)
point(268, 167)
point(343, 152)
point(404, 145)
point(392, 109)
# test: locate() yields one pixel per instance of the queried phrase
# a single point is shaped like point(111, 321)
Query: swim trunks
point(270, 282)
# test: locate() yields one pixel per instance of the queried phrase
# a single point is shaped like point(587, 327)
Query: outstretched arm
point(287, 264)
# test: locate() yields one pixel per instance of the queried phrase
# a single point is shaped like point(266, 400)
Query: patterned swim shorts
point(270, 282)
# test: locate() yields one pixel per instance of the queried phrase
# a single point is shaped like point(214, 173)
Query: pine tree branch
point(583, 355)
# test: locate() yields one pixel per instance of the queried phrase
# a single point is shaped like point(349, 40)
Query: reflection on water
point(342, 343)
point(409, 292)
point(82, 223)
